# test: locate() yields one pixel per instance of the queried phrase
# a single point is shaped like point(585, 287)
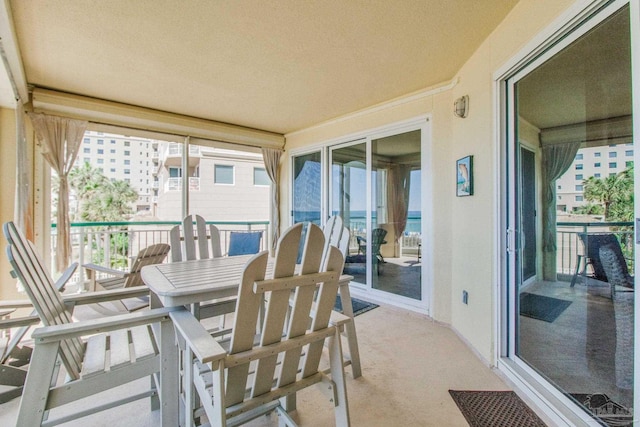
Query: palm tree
point(86, 181)
point(615, 189)
point(111, 203)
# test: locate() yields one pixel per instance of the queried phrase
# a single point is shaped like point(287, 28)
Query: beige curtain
point(60, 138)
point(556, 159)
point(398, 196)
point(271, 158)
point(23, 215)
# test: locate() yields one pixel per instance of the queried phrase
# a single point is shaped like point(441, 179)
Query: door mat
point(358, 305)
point(541, 307)
point(609, 411)
point(495, 409)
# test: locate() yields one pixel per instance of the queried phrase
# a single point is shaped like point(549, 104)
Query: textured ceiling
point(279, 65)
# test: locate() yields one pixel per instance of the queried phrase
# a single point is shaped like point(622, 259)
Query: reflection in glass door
point(386, 238)
point(307, 188)
point(348, 198)
point(396, 222)
point(574, 296)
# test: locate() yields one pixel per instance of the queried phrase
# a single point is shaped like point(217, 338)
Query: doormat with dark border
point(495, 409)
point(358, 305)
point(541, 307)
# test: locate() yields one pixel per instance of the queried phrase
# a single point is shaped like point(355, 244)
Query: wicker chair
point(623, 311)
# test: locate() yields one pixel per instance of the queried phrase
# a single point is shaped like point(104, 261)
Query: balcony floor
point(407, 372)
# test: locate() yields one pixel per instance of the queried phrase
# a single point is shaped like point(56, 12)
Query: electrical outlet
point(465, 297)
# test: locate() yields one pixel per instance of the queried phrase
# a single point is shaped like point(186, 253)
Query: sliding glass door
point(571, 222)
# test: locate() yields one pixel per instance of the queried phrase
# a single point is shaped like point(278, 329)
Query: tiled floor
point(409, 364)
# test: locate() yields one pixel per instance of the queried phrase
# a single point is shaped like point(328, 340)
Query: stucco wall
point(465, 228)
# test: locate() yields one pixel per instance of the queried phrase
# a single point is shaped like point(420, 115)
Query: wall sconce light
point(461, 106)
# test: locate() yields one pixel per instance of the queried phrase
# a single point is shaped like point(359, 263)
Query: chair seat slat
point(95, 356)
point(143, 344)
point(119, 349)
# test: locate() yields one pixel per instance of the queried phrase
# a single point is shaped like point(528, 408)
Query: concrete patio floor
point(409, 363)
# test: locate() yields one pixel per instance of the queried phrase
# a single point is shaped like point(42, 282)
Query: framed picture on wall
point(464, 176)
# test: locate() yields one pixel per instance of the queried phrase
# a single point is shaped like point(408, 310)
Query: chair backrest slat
point(183, 236)
point(40, 287)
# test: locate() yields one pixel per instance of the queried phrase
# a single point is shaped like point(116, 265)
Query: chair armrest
point(23, 303)
point(19, 322)
point(338, 319)
point(103, 296)
point(204, 347)
point(104, 324)
point(66, 275)
point(107, 270)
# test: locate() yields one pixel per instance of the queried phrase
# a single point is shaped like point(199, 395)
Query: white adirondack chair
point(120, 349)
point(260, 374)
point(14, 353)
point(117, 279)
point(184, 236)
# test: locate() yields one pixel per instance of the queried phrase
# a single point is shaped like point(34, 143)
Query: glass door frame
point(569, 27)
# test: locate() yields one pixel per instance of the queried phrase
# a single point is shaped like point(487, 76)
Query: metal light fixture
point(461, 106)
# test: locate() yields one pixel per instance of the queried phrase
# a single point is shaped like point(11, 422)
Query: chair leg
point(12, 377)
point(338, 378)
point(39, 379)
point(350, 330)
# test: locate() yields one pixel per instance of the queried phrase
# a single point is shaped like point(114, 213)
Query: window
point(613, 165)
point(578, 166)
point(628, 153)
point(223, 174)
point(113, 141)
point(596, 165)
point(559, 187)
point(86, 140)
point(612, 174)
point(579, 198)
point(597, 154)
point(579, 177)
point(628, 164)
point(127, 143)
point(127, 153)
point(127, 162)
point(87, 150)
point(175, 172)
point(112, 151)
point(101, 142)
point(100, 161)
point(87, 159)
point(260, 177)
point(596, 175)
point(100, 151)
point(579, 156)
point(112, 160)
point(127, 171)
point(112, 170)
point(613, 154)
point(578, 187)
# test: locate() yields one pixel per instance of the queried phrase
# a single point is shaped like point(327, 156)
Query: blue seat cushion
point(241, 243)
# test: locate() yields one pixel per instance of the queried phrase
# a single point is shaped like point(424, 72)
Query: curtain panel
point(398, 195)
point(271, 158)
point(60, 139)
point(556, 160)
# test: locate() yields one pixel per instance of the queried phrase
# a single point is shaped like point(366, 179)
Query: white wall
point(465, 227)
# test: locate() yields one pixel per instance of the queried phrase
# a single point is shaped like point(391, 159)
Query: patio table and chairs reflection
point(284, 334)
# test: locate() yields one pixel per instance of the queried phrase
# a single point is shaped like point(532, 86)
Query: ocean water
point(414, 219)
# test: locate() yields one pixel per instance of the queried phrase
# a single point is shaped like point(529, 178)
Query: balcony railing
point(175, 184)
point(114, 244)
point(570, 246)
